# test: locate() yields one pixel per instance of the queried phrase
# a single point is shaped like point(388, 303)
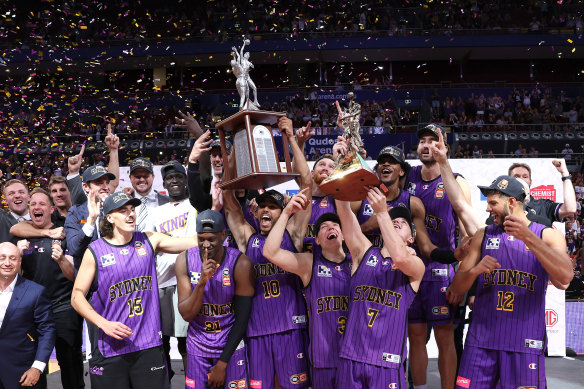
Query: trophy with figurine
point(352, 177)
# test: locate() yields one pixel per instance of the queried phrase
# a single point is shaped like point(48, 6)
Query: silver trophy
point(241, 66)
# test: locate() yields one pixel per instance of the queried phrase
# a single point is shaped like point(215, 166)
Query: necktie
point(142, 215)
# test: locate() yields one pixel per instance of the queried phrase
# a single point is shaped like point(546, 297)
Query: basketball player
point(430, 306)
point(384, 282)
point(513, 260)
point(275, 336)
point(215, 291)
point(120, 269)
point(325, 275)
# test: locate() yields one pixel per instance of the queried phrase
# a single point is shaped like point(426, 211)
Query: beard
point(317, 178)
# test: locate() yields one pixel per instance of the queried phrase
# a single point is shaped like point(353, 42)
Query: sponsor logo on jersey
point(154, 368)
point(368, 211)
point(41, 250)
point(255, 384)
point(300, 355)
point(492, 244)
point(440, 310)
point(385, 263)
point(372, 261)
point(299, 319)
point(236, 384)
point(393, 358)
point(527, 387)
point(96, 370)
point(411, 188)
point(298, 378)
point(124, 251)
point(426, 186)
point(533, 366)
point(226, 278)
point(324, 271)
point(190, 382)
point(240, 362)
point(443, 289)
point(339, 268)
point(108, 260)
point(140, 249)
point(195, 277)
point(393, 385)
point(439, 272)
point(324, 202)
point(530, 343)
point(439, 193)
point(256, 243)
point(463, 382)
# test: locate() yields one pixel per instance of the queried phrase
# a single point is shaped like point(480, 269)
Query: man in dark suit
point(17, 196)
point(27, 331)
point(81, 225)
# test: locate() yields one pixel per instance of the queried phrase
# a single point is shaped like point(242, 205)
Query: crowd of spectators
point(74, 23)
point(538, 106)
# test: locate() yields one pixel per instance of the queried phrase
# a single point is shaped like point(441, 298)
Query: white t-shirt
point(176, 219)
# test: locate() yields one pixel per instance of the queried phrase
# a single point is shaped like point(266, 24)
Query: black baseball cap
point(432, 129)
point(172, 166)
point(118, 200)
point(393, 152)
point(210, 221)
point(403, 212)
point(271, 195)
point(141, 163)
point(217, 143)
point(326, 217)
point(94, 172)
point(507, 185)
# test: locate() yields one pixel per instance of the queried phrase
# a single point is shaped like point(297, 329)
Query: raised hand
point(57, 253)
point(74, 163)
point(129, 191)
point(22, 245)
point(285, 127)
point(189, 122)
point(217, 195)
point(209, 268)
point(342, 147)
point(517, 227)
point(304, 133)
point(439, 150)
point(377, 200)
point(201, 145)
point(93, 205)
point(560, 165)
point(111, 140)
point(297, 202)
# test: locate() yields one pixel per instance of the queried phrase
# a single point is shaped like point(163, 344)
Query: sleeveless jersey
point(570, 241)
point(327, 297)
point(278, 305)
point(365, 212)
point(509, 311)
point(320, 206)
point(441, 220)
point(377, 330)
point(208, 331)
point(126, 290)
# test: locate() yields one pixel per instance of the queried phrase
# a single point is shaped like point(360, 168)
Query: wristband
point(566, 178)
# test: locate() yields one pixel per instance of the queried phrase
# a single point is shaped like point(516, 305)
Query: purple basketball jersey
point(510, 301)
point(278, 305)
point(377, 329)
point(126, 290)
point(365, 212)
point(327, 296)
point(441, 220)
point(320, 206)
point(207, 334)
point(570, 241)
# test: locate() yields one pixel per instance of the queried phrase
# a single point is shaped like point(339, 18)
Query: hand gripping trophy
point(351, 178)
point(241, 66)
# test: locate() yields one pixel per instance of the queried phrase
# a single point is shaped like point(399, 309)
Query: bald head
point(10, 261)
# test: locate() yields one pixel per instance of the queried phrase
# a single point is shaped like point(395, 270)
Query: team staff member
point(27, 330)
point(120, 269)
point(384, 282)
point(17, 196)
point(216, 288)
point(325, 275)
point(275, 333)
point(513, 260)
point(45, 263)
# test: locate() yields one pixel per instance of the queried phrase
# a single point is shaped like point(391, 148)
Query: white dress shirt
point(5, 297)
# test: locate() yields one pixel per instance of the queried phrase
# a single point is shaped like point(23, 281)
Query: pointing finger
point(82, 150)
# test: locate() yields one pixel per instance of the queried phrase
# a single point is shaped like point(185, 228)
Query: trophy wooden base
point(350, 180)
point(258, 180)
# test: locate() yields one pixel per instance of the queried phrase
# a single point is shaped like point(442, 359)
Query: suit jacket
point(6, 221)
point(78, 196)
point(27, 333)
point(77, 241)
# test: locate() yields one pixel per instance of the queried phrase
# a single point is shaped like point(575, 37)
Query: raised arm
point(299, 223)
point(569, 207)
point(356, 241)
point(240, 229)
point(299, 264)
point(74, 179)
point(200, 167)
point(550, 250)
point(456, 188)
point(113, 144)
